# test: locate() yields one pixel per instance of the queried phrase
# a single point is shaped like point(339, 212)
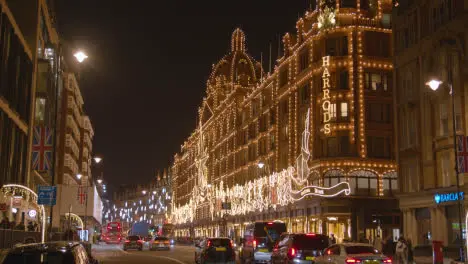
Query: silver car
point(352, 253)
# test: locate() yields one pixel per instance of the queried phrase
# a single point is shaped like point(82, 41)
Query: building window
point(337, 46)
point(304, 60)
point(304, 94)
point(333, 111)
point(377, 44)
point(376, 81)
point(344, 110)
point(283, 77)
point(344, 80)
point(444, 126)
point(378, 147)
point(40, 109)
point(332, 147)
point(344, 145)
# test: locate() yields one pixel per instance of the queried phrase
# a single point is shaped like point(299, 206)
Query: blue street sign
point(448, 197)
point(47, 195)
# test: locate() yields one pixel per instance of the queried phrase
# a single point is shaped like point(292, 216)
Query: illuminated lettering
point(326, 95)
point(318, 191)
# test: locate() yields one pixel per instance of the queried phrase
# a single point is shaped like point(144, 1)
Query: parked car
point(133, 242)
point(299, 248)
point(258, 241)
point(215, 250)
point(51, 252)
point(352, 253)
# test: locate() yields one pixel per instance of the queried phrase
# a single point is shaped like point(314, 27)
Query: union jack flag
point(42, 148)
point(82, 195)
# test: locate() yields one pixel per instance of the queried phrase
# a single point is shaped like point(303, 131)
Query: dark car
point(299, 248)
point(48, 253)
point(133, 242)
point(215, 250)
point(259, 239)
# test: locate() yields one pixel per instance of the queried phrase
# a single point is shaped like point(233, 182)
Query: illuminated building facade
point(430, 43)
point(323, 117)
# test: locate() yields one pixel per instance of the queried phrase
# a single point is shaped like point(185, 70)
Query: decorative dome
point(237, 66)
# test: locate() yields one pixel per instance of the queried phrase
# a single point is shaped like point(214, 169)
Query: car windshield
point(219, 242)
point(38, 257)
point(318, 242)
point(133, 238)
point(160, 238)
point(351, 250)
point(269, 230)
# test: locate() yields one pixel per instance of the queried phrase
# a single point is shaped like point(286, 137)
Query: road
point(113, 254)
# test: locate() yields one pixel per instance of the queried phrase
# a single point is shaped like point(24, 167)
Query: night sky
point(148, 65)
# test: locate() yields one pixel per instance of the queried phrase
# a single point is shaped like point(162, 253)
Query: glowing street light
point(80, 56)
point(261, 165)
point(97, 159)
point(99, 181)
point(143, 192)
point(434, 84)
point(154, 192)
point(78, 176)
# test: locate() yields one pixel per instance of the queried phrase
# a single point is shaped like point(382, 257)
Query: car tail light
point(387, 260)
point(140, 241)
point(352, 260)
point(310, 234)
point(209, 243)
point(127, 241)
point(254, 243)
point(270, 223)
point(231, 244)
point(292, 252)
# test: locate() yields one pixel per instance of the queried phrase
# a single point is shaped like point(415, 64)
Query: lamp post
point(434, 85)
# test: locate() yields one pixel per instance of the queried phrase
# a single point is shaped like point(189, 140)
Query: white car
point(352, 253)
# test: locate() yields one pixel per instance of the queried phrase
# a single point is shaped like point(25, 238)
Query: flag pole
point(55, 134)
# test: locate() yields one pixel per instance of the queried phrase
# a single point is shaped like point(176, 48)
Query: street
point(113, 254)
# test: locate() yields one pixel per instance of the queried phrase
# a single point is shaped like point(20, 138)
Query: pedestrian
point(401, 252)
point(409, 245)
point(378, 243)
point(332, 239)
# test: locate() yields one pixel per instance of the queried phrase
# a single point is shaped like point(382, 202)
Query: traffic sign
point(47, 195)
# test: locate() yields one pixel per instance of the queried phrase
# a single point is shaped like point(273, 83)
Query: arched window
point(333, 177)
point(390, 183)
point(314, 178)
point(363, 182)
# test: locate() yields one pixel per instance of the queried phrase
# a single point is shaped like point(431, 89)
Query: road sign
point(47, 195)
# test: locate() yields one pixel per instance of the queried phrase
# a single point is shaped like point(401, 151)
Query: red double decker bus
point(113, 233)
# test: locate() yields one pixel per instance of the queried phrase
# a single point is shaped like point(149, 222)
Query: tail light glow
point(292, 252)
point(254, 243)
point(230, 243)
point(310, 234)
point(209, 243)
point(127, 241)
point(387, 260)
point(352, 260)
point(269, 223)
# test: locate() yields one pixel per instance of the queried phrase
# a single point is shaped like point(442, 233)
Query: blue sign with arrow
point(47, 195)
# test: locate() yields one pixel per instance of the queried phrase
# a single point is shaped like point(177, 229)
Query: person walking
point(401, 250)
point(332, 239)
point(378, 243)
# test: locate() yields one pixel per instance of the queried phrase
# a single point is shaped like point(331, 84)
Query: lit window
point(40, 109)
point(332, 111)
point(376, 81)
point(344, 109)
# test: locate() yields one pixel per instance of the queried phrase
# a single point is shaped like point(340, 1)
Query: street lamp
point(143, 192)
point(434, 85)
point(80, 56)
point(99, 181)
point(154, 192)
point(261, 165)
point(208, 185)
point(97, 159)
point(78, 176)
